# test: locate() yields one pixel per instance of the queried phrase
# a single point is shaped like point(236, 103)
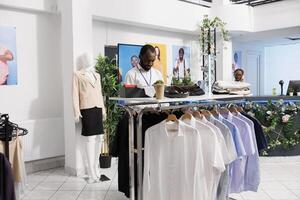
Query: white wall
point(282, 63)
point(106, 33)
point(249, 49)
point(237, 17)
point(171, 15)
point(36, 102)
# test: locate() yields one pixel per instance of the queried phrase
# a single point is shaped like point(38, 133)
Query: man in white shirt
point(144, 75)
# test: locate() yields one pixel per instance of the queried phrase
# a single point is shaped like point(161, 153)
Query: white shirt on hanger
point(173, 165)
point(212, 155)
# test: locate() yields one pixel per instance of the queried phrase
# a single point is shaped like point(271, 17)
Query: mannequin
point(89, 108)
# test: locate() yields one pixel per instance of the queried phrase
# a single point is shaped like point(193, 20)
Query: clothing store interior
point(150, 100)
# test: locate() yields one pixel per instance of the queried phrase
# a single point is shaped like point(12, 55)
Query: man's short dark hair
point(239, 69)
point(145, 49)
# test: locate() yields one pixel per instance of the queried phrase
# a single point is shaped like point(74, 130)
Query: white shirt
point(182, 65)
point(173, 166)
point(212, 155)
point(227, 136)
point(142, 78)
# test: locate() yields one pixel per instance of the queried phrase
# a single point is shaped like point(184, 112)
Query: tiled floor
point(280, 181)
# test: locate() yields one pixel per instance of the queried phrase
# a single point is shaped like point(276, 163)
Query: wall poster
point(8, 56)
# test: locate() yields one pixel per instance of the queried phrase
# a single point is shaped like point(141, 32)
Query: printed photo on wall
point(128, 57)
point(237, 60)
point(8, 56)
point(161, 59)
point(181, 62)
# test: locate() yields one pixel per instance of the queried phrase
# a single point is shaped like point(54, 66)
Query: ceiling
point(254, 3)
point(268, 38)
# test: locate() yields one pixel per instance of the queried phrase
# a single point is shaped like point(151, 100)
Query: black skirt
point(92, 123)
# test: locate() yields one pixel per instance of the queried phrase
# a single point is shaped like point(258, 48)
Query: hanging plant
point(208, 33)
point(207, 39)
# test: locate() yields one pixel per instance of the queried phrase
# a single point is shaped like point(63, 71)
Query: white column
point(76, 39)
point(224, 60)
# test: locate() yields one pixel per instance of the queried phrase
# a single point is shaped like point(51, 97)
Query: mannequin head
point(84, 61)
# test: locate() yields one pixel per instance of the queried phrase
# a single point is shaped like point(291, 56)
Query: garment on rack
point(238, 167)
point(259, 134)
point(120, 148)
point(15, 157)
point(7, 190)
point(222, 189)
point(173, 167)
point(252, 172)
point(214, 163)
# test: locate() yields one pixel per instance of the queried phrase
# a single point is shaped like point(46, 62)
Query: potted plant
point(159, 89)
point(298, 91)
point(108, 71)
point(291, 92)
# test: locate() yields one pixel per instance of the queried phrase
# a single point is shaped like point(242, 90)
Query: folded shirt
point(231, 85)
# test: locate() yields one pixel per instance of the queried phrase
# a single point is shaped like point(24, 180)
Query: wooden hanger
point(240, 109)
point(223, 110)
point(206, 113)
point(214, 111)
point(187, 116)
point(232, 109)
point(172, 118)
point(197, 115)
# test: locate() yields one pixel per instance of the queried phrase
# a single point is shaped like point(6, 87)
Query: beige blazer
point(87, 94)
point(15, 157)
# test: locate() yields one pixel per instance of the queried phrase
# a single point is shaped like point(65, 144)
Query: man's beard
point(146, 67)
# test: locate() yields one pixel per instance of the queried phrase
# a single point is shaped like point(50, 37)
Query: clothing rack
point(7, 129)
point(139, 106)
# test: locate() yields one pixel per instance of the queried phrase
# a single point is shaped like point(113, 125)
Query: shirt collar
point(228, 116)
point(179, 130)
point(191, 122)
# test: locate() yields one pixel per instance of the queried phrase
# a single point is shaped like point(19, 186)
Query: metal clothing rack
point(6, 131)
point(138, 106)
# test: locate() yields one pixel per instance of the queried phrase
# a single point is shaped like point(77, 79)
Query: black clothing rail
point(9, 130)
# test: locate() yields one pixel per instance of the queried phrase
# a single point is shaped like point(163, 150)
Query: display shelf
point(190, 99)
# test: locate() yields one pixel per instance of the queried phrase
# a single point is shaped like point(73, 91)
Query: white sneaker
point(93, 180)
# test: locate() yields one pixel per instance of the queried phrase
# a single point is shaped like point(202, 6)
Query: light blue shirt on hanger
point(252, 173)
point(238, 167)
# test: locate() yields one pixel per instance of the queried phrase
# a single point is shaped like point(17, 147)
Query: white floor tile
point(236, 196)
point(46, 186)
point(292, 185)
point(282, 195)
point(72, 186)
point(296, 192)
point(65, 195)
point(272, 185)
point(115, 196)
point(97, 186)
point(92, 195)
point(56, 178)
point(30, 185)
point(39, 195)
point(255, 196)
